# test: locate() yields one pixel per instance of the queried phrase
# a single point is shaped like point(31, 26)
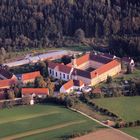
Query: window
point(67, 76)
point(52, 72)
point(63, 75)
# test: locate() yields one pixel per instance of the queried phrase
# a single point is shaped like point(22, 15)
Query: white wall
point(60, 75)
point(62, 89)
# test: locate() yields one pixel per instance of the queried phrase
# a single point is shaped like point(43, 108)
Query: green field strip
point(29, 117)
point(37, 131)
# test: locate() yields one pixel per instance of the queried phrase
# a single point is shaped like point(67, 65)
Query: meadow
point(42, 122)
point(127, 108)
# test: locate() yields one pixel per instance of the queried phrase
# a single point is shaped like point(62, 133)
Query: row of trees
point(85, 98)
point(127, 124)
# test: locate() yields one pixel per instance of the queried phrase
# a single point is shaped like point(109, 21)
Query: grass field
point(42, 122)
point(135, 132)
point(128, 108)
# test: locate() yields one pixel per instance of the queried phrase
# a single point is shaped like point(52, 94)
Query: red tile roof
point(37, 91)
point(52, 65)
point(64, 68)
point(105, 68)
point(31, 75)
point(82, 59)
point(97, 91)
point(7, 82)
point(72, 83)
point(60, 67)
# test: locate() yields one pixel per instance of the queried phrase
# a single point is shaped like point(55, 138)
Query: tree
point(3, 51)
point(109, 79)
point(80, 35)
point(42, 67)
point(17, 92)
point(10, 94)
point(51, 86)
point(66, 59)
point(1, 59)
point(129, 69)
point(39, 82)
point(69, 101)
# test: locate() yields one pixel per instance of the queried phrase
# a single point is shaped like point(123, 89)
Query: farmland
point(41, 121)
point(126, 107)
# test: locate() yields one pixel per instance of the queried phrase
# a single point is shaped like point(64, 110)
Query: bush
point(117, 125)
point(109, 79)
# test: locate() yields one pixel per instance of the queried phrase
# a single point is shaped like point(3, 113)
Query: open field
point(104, 134)
point(41, 122)
point(133, 131)
point(128, 108)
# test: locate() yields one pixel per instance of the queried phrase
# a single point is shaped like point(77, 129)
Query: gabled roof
point(99, 58)
point(52, 65)
point(5, 73)
point(89, 56)
point(82, 59)
point(37, 91)
point(31, 75)
point(7, 82)
point(60, 67)
point(64, 68)
point(105, 68)
point(98, 71)
point(81, 73)
point(72, 83)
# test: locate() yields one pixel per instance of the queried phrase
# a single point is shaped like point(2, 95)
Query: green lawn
point(133, 131)
point(128, 108)
point(24, 119)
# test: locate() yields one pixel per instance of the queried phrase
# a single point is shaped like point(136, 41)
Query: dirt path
point(37, 131)
point(29, 117)
point(105, 134)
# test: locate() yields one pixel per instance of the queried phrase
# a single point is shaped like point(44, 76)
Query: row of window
point(61, 75)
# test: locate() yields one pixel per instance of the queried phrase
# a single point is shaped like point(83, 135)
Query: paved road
point(41, 57)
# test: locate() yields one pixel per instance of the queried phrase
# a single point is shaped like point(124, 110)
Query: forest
point(26, 24)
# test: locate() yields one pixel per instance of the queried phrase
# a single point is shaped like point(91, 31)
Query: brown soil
point(105, 134)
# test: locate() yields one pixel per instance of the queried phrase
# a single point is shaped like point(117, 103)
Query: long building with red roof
point(30, 77)
point(89, 68)
point(40, 92)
